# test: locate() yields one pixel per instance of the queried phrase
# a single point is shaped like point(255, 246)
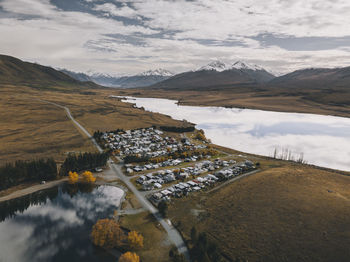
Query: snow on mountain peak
point(157, 72)
point(215, 66)
point(221, 66)
point(246, 66)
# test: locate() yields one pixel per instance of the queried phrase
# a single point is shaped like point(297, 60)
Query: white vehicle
point(157, 185)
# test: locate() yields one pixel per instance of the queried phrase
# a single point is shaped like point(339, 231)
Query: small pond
point(55, 224)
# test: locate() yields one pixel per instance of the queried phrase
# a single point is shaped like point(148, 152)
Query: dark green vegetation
point(163, 208)
point(203, 249)
point(46, 169)
point(85, 161)
point(14, 71)
point(177, 129)
point(22, 172)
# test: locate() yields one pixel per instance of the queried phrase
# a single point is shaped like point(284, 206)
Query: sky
point(121, 37)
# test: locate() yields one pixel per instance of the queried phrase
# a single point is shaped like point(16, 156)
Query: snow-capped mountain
point(246, 66)
point(221, 66)
point(157, 72)
point(218, 74)
point(146, 78)
point(215, 66)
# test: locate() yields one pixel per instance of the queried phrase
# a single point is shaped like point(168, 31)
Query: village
point(166, 166)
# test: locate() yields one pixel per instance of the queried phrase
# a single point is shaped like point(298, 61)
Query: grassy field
point(32, 129)
point(156, 246)
point(287, 212)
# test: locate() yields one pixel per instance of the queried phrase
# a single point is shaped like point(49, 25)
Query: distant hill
point(217, 75)
point(77, 76)
point(141, 80)
point(14, 71)
point(314, 78)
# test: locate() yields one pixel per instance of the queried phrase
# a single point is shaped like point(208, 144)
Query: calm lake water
point(55, 224)
point(322, 140)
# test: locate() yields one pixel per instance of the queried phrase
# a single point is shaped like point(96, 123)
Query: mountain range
point(218, 75)
point(144, 79)
point(215, 76)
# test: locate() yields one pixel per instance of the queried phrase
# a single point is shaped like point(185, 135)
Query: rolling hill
point(314, 78)
point(14, 71)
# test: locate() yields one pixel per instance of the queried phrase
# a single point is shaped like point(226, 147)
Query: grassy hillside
point(14, 71)
point(287, 212)
point(213, 80)
point(32, 129)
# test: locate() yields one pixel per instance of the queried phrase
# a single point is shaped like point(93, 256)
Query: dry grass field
point(31, 128)
point(287, 212)
point(156, 246)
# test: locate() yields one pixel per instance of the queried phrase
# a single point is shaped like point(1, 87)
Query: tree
point(176, 256)
point(12, 174)
point(200, 135)
point(107, 233)
point(129, 257)
point(135, 240)
point(88, 177)
point(163, 208)
point(73, 177)
point(194, 235)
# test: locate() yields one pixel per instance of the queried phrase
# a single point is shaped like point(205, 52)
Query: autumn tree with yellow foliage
point(107, 233)
point(88, 177)
point(129, 257)
point(73, 177)
point(135, 240)
point(200, 135)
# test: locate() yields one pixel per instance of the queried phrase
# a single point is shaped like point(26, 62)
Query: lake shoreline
point(294, 136)
point(229, 100)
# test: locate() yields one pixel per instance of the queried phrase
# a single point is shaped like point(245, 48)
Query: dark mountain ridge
point(14, 71)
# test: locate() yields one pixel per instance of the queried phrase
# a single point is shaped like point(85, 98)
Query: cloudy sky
point(127, 37)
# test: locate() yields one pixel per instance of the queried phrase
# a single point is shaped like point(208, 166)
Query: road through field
point(172, 232)
point(32, 189)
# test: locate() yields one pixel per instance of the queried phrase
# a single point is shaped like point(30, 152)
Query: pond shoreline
point(33, 189)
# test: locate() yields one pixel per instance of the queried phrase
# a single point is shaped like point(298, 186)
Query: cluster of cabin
point(222, 169)
point(146, 142)
point(167, 163)
point(184, 188)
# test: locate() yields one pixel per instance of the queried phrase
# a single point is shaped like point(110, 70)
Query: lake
point(55, 224)
point(319, 139)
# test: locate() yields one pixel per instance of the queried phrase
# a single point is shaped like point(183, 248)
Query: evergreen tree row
point(21, 172)
point(85, 161)
point(177, 129)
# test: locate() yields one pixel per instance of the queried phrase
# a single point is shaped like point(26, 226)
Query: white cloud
point(220, 19)
point(113, 10)
point(81, 41)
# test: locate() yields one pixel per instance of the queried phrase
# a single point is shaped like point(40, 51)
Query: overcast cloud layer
point(127, 37)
